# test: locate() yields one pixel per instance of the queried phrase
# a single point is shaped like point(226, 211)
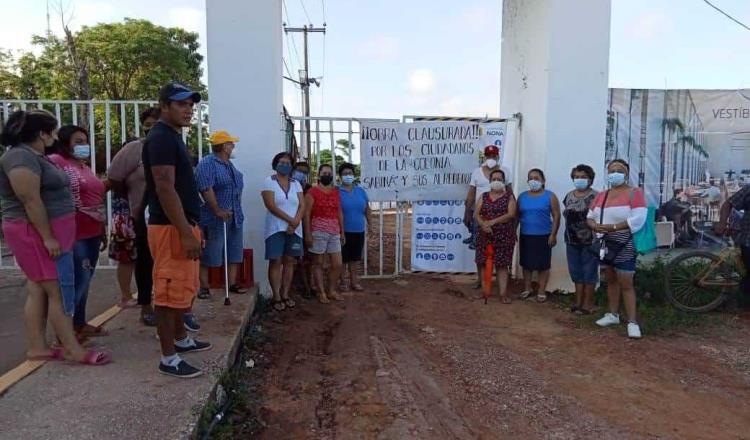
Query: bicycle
point(700, 281)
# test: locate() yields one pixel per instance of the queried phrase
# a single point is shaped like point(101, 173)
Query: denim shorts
point(582, 264)
point(213, 253)
point(623, 266)
point(325, 243)
point(282, 244)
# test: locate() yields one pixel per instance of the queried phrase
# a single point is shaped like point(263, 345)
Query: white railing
point(388, 216)
point(113, 123)
point(110, 124)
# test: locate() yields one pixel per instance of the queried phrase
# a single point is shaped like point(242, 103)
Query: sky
point(388, 58)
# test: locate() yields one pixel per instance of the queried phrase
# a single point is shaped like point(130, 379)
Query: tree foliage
point(118, 61)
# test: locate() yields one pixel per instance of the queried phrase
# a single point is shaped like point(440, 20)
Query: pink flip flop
point(94, 357)
point(56, 354)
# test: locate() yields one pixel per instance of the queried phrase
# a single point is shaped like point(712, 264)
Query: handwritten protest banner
point(424, 160)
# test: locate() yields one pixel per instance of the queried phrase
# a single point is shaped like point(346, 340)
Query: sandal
point(542, 297)
point(358, 288)
point(582, 311)
point(336, 296)
point(323, 299)
point(235, 288)
point(204, 293)
point(290, 303)
point(279, 305)
point(148, 319)
point(94, 357)
point(56, 354)
point(127, 303)
point(574, 308)
point(90, 331)
point(525, 294)
point(343, 287)
point(505, 299)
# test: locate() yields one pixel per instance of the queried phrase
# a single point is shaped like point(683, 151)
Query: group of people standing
point(54, 222)
point(309, 225)
point(599, 228)
point(170, 223)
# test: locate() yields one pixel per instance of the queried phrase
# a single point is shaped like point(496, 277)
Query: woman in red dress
point(495, 216)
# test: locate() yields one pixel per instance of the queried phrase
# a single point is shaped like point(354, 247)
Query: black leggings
point(144, 263)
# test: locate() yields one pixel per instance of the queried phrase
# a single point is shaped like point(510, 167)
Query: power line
point(323, 82)
point(289, 74)
point(286, 12)
point(302, 2)
point(725, 14)
point(323, 3)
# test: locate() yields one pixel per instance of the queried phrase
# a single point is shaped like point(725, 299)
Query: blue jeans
point(213, 253)
point(85, 257)
point(66, 279)
point(582, 265)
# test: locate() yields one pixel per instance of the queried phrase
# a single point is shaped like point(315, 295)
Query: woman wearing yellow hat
point(221, 184)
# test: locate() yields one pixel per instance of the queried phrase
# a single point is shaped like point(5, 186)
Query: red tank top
point(325, 212)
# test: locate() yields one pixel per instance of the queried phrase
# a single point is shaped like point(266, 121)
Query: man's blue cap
point(175, 91)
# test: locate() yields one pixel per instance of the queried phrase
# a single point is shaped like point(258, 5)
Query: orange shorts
point(176, 277)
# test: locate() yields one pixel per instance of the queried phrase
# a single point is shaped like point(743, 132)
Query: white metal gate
point(383, 254)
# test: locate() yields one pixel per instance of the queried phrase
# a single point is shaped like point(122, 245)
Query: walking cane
point(227, 301)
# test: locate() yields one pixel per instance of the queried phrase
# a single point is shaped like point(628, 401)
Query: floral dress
point(503, 237)
point(122, 237)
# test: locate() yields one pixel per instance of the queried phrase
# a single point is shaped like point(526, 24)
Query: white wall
point(245, 92)
point(554, 71)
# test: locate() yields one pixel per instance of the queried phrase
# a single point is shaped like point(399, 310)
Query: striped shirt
point(627, 207)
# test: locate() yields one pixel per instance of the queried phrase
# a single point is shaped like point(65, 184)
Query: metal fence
point(113, 123)
point(110, 124)
point(333, 141)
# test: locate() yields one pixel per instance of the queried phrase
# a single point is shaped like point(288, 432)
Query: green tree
point(343, 146)
point(132, 59)
point(119, 61)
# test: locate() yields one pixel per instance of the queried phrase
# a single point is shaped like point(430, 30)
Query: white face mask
point(82, 151)
point(490, 163)
point(497, 185)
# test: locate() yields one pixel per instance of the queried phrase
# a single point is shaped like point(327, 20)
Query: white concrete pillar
point(554, 71)
point(246, 97)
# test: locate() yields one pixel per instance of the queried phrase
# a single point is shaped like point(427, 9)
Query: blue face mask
point(82, 151)
point(535, 185)
point(300, 177)
point(284, 169)
point(348, 180)
point(616, 179)
point(581, 184)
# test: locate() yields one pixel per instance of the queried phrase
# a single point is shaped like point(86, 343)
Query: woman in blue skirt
point(539, 214)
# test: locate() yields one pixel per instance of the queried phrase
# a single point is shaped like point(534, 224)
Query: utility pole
point(305, 79)
point(49, 28)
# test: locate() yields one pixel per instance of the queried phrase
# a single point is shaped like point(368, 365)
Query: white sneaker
point(525, 294)
point(608, 319)
point(634, 331)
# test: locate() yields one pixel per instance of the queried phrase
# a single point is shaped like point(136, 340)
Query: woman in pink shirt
point(71, 154)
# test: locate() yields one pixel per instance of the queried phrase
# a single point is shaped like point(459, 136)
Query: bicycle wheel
point(697, 281)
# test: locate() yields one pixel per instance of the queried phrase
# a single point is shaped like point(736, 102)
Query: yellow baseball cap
point(222, 137)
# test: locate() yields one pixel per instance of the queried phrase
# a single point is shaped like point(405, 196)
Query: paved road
point(103, 294)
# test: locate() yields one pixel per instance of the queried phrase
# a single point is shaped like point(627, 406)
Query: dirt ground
point(418, 358)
